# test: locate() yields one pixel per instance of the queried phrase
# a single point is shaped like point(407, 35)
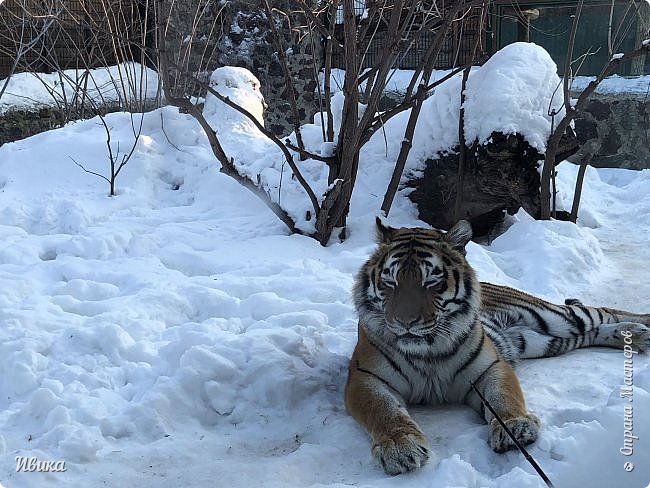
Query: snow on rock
point(255, 155)
point(242, 88)
point(514, 92)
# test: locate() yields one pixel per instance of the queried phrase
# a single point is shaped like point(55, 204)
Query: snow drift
point(176, 335)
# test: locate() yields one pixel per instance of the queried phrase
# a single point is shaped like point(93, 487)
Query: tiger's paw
point(401, 452)
point(525, 429)
point(635, 334)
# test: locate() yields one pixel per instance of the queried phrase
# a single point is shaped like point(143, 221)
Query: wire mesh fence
point(456, 49)
point(49, 35)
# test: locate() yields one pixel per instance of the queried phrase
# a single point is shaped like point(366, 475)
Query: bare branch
point(573, 217)
point(317, 23)
point(462, 144)
point(290, 90)
point(325, 159)
point(90, 172)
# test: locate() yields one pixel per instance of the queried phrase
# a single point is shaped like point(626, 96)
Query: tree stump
point(500, 176)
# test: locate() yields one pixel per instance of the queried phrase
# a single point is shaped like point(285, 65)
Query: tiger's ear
point(384, 233)
point(459, 235)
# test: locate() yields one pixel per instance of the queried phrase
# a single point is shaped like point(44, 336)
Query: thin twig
point(521, 448)
point(162, 126)
point(462, 143)
point(90, 172)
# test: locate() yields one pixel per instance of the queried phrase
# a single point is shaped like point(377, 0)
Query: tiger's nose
point(409, 322)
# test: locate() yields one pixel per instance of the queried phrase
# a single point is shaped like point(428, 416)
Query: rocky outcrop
point(615, 129)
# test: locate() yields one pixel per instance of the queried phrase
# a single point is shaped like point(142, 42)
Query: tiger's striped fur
point(428, 330)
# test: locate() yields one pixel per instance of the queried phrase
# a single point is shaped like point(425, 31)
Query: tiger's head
point(417, 285)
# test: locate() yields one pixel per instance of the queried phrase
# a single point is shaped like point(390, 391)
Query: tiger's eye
point(434, 285)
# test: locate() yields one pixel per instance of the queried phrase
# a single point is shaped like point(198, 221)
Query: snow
point(243, 89)
point(614, 84)
point(124, 83)
point(524, 69)
point(176, 335)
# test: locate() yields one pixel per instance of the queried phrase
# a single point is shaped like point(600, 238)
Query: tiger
point(429, 333)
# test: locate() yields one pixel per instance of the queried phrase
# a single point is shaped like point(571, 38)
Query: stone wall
point(249, 44)
point(19, 124)
point(615, 129)
point(243, 39)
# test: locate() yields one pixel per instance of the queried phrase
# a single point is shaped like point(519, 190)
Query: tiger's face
point(417, 285)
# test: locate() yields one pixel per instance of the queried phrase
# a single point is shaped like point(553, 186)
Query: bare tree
point(61, 43)
point(131, 83)
point(572, 109)
point(16, 43)
point(399, 21)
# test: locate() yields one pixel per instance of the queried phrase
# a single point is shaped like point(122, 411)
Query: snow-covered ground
point(175, 335)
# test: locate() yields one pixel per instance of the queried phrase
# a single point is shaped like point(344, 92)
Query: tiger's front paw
point(401, 452)
point(525, 429)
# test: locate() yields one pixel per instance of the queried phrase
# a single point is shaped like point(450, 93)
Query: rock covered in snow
point(512, 93)
point(241, 87)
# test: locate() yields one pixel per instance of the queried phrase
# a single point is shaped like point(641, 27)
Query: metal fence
point(456, 50)
point(48, 35)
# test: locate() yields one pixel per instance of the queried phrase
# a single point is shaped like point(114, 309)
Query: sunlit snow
point(176, 335)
